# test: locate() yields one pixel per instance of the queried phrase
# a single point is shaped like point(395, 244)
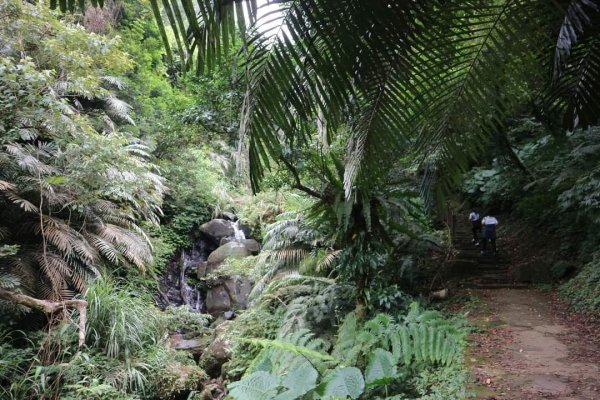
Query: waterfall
point(238, 234)
point(174, 289)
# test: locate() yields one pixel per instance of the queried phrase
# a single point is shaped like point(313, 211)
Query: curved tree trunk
point(50, 307)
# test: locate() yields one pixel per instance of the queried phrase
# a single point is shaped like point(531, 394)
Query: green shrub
point(583, 291)
point(121, 321)
point(181, 319)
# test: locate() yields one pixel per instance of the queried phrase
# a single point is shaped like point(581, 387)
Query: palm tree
point(432, 79)
point(419, 76)
point(426, 78)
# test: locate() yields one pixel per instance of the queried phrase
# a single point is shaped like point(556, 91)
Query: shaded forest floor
point(527, 346)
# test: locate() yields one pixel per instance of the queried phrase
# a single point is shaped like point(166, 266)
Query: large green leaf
point(259, 385)
point(299, 382)
point(382, 368)
point(343, 383)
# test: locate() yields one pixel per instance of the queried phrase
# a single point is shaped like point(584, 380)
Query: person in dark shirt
point(475, 226)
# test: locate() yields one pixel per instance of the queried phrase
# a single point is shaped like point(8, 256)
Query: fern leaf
point(286, 346)
point(431, 342)
point(406, 345)
point(424, 346)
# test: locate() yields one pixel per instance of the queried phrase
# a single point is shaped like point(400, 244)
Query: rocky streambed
point(216, 241)
point(195, 279)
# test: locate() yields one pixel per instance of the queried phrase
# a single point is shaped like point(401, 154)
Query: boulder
point(228, 216)
point(238, 289)
point(217, 229)
point(217, 300)
point(252, 245)
point(218, 352)
point(246, 229)
point(228, 315)
point(194, 346)
point(231, 249)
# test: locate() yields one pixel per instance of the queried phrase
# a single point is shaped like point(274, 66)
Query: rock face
point(217, 300)
point(238, 288)
point(232, 291)
point(252, 245)
point(217, 240)
point(195, 346)
point(217, 229)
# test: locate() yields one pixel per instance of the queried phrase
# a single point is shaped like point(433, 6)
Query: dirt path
point(525, 350)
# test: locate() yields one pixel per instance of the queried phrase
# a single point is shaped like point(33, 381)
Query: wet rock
point(228, 216)
point(194, 346)
point(231, 249)
point(217, 300)
point(226, 240)
point(246, 229)
point(228, 315)
point(238, 289)
point(202, 269)
point(217, 229)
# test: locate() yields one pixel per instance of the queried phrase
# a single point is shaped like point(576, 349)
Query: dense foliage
point(67, 167)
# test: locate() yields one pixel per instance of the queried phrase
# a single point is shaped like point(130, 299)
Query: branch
point(299, 184)
point(50, 307)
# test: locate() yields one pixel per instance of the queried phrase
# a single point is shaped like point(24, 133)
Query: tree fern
point(78, 195)
point(424, 338)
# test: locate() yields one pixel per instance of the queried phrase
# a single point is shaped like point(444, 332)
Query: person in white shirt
point(475, 226)
point(489, 224)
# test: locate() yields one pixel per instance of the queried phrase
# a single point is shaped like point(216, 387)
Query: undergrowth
point(583, 291)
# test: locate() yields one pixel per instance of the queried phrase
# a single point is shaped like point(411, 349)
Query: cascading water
point(238, 234)
point(174, 287)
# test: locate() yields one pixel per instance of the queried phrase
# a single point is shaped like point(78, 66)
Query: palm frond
point(396, 73)
point(204, 30)
point(578, 18)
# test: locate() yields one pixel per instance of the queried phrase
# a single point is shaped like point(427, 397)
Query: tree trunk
point(50, 307)
point(361, 301)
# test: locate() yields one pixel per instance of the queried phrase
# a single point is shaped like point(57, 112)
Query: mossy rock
point(228, 250)
point(217, 229)
point(218, 351)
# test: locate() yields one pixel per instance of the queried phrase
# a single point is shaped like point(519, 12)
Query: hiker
point(489, 224)
point(475, 226)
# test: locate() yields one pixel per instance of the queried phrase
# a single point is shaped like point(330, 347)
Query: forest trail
point(525, 349)
point(526, 346)
point(481, 271)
